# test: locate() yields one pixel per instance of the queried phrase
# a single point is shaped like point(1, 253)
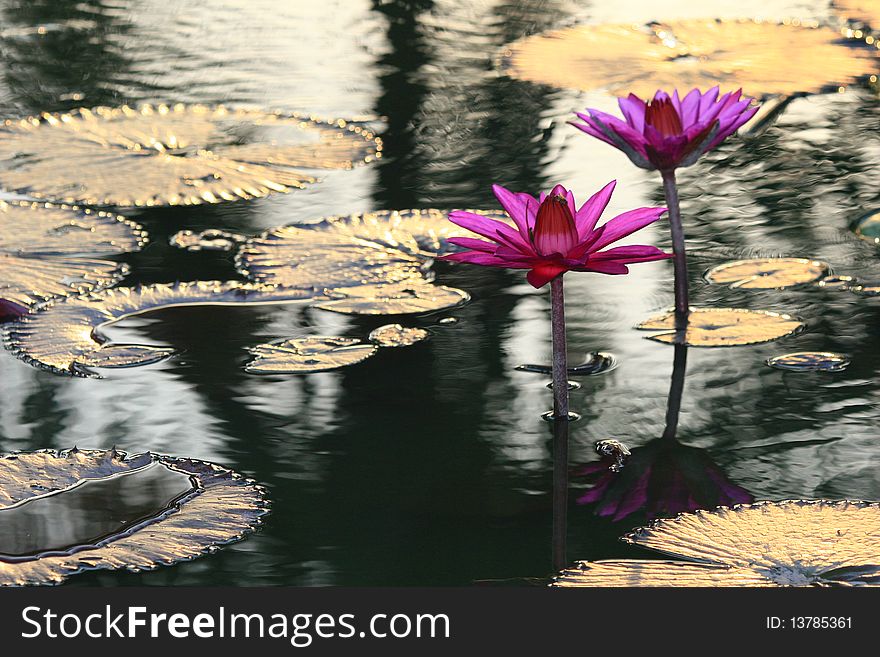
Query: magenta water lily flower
point(667, 132)
point(552, 236)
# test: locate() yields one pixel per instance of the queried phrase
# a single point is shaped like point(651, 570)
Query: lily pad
point(211, 239)
point(810, 361)
point(723, 327)
point(373, 263)
point(64, 336)
point(767, 273)
point(868, 227)
point(792, 543)
point(119, 512)
point(307, 355)
point(866, 289)
point(866, 11)
point(762, 58)
point(172, 155)
point(596, 362)
point(395, 335)
point(48, 250)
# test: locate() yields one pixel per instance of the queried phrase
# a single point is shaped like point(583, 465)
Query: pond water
point(430, 464)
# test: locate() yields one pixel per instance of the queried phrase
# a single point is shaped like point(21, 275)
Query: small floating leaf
point(792, 543)
point(840, 282)
point(767, 273)
point(866, 289)
point(207, 240)
point(47, 250)
point(810, 361)
point(306, 355)
point(724, 327)
point(868, 227)
point(596, 362)
point(395, 300)
point(105, 510)
point(64, 336)
point(760, 57)
point(177, 155)
point(395, 335)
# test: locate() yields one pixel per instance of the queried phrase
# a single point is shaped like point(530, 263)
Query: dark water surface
point(430, 464)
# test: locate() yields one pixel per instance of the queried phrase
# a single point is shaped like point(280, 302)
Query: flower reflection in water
point(663, 477)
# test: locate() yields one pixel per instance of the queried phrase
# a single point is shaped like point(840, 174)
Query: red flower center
point(661, 114)
point(555, 228)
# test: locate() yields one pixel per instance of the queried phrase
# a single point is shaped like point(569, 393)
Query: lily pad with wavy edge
point(395, 335)
point(172, 155)
point(372, 263)
point(762, 58)
point(219, 508)
point(48, 250)
point(65, 337)
point(767, 273)
point(791, 543)
point(810, 361)
point(723, 327)
point(307, 355)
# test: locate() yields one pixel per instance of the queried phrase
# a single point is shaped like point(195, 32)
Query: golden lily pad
point(767, 273)
point(307, 355)
point(866, 289)
point(372, 263)
point(48, 250)
point(111, 518)
point(395, 335)
point(868, 227)
point(762, 58)
point(792, 543)
point(810, 361)
point(172, 155)
point(65, 337)
point(723, 327)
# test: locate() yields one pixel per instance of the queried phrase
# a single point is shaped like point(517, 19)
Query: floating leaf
point(596, 362)
point(211, 239)
point(767, 273)
point(810, 361)
point(395, 335)
point(46, 250)
point(723, 327)
point(792, 543)
point(866, 289)
point(306, 355)
point(762, 58)
point(373, 263)
point(841, 282)
point(62, 513)
point(178, 155)
point(868, 227)
point(65, 337)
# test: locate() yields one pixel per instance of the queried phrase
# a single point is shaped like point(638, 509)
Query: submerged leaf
point(760, 57)
point(395, 335)
point(177, 155)
point(793, 543)
point(207, 240)
point(47, 250)
point(373, 263)
point(767, 273)
point(65, 512)
point(810, 361)
point(307, 355)
point(65, 337)
point(723, 327)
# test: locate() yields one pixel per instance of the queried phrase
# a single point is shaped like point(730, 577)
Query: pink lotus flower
point(552, 237)
point(667, 132)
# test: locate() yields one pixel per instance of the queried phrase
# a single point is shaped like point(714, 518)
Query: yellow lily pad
point(307, 355)
point(768, 273)
point(723, 327)
point(762, 58)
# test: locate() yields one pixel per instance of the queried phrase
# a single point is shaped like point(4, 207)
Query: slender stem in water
point(676, 388)
point(560, 494)
point(682, 303)
point(560, 364)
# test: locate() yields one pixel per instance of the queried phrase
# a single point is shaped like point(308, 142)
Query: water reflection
point(663, 477)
